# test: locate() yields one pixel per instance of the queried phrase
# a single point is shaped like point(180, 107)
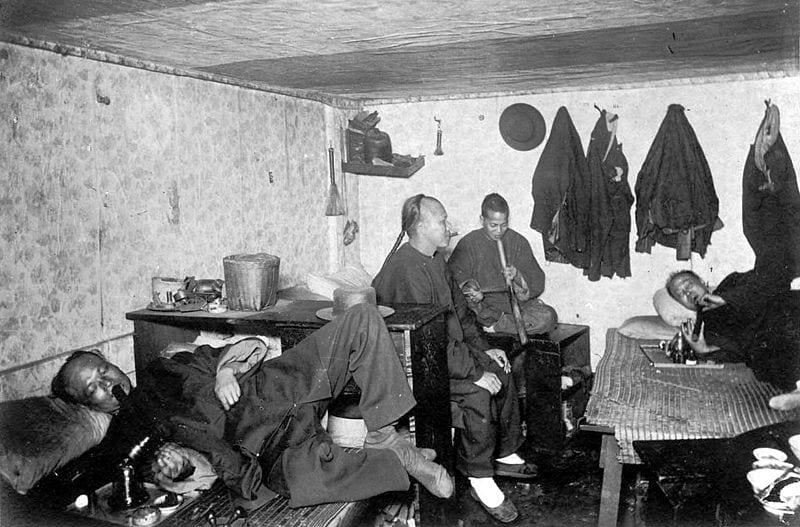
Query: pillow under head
point(670, 310)
point(647, 327)
point(41, 434)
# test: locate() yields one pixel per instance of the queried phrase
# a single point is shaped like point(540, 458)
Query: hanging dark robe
point(769, 171)
point(760, 321)
point(611, 201)
point(561, 195)
point(676, 204)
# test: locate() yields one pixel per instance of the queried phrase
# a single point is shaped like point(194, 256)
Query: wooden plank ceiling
point(366, 51)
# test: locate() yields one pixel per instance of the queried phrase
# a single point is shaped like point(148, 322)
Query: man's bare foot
point(786, 401)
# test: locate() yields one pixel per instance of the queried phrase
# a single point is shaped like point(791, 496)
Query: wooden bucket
point(251, 281)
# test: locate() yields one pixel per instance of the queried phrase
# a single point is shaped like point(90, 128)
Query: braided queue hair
point(408, 221)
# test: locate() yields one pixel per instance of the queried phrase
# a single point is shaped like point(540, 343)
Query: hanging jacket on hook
point(768, 172)
point(676, 203)
point(561, 195)
point(611, 201)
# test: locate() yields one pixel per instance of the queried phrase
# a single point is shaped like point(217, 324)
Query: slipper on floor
point(525, 470)
point(506, 512)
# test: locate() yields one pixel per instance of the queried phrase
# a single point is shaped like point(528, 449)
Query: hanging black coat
point(561, 195)
point(611, 201)
point(676, 204)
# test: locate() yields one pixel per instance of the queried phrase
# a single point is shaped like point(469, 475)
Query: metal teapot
point(377, 145)
point(207, 289)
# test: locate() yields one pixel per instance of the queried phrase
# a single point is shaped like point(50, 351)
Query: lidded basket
point(251, 281)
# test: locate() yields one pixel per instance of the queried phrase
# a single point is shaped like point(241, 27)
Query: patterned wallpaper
point(113, 175)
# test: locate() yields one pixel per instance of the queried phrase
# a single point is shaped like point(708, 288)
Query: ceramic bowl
point(165, 506)
point(771, 463)
point(790, 495)
point(794, 444)
point(761, 478)
point(779, 510)
point(769, 453)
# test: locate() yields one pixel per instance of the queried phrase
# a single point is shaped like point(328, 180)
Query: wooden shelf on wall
point(365, 169)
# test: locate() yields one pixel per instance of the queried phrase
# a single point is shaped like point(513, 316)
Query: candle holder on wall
point(438, 151)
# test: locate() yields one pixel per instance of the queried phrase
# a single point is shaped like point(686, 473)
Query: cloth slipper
point(525, 470)
point(506, 512)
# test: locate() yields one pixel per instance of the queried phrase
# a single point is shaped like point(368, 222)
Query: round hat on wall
point(522, 126)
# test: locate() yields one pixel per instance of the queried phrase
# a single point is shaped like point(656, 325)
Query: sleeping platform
point(649, 410)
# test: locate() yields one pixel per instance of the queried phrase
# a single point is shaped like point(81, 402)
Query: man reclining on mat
point(256, 422)
point(754, 317)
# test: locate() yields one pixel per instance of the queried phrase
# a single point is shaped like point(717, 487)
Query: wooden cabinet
point(418, 331)
point(551, 414)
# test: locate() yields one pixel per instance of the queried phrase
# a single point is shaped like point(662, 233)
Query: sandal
point(525, 470)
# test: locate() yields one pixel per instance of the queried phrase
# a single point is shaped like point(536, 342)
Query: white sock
point(488, 491)
point(511, 459)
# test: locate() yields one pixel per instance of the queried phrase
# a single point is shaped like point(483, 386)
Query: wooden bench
point(275, 513)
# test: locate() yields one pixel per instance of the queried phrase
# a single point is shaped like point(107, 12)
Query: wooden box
point(551, 414)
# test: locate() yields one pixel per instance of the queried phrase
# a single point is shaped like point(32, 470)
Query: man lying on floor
point(256, 423)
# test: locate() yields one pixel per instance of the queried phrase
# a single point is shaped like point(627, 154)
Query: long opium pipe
point(523, 335)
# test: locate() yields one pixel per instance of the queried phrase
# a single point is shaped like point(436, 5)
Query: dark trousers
point(771, 222)
point(311, 468)
point(491, 423)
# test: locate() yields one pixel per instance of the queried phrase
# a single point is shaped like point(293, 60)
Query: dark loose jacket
point(560, 189)
point(611, 201)
point(676, 203)
point(410, 276)
point(476, 257)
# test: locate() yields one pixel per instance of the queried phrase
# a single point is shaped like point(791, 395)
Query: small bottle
point(691, 357)
point(678, 354)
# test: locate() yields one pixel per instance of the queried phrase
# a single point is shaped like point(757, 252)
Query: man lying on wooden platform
point(256, 423)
